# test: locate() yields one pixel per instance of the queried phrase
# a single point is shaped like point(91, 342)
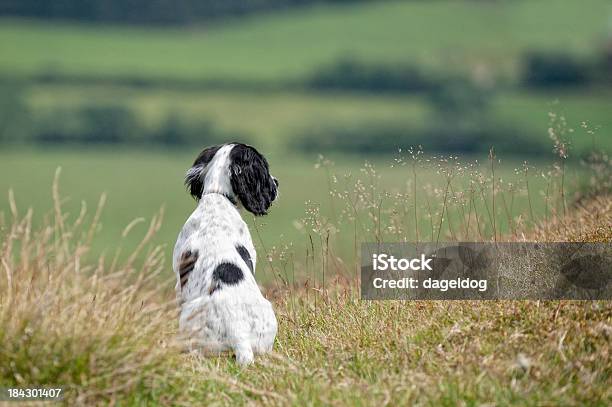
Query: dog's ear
point(251, 180)
point(194, 179)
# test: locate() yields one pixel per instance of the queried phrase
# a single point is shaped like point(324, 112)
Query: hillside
point(111, 337)
point(286, 45)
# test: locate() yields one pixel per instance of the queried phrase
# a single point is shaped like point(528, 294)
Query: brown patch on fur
point(213, 287)
point(188, 261)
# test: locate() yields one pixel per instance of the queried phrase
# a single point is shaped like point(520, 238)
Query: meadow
point(105, 329)
point(250, 78)
point(284, 46)
point(87, 226)
point(137, 185)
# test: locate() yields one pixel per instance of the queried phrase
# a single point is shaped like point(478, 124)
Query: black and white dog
point(222, 308)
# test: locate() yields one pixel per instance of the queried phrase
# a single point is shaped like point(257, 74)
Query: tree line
point(145, 11)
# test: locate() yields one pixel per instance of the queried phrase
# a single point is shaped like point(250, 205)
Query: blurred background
point(123, 94)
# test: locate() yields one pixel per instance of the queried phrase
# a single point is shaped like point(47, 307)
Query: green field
point(139, 184)
point(289, 45)
point(245, 76)
point(271, 120)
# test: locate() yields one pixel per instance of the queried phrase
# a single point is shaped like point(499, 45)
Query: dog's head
point(237, 171)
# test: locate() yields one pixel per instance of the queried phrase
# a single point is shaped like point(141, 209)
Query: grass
point(99, 317)
point(87, 302)
point(138, 184)
point(578, 107)
point(288, 45)
point(106, 331)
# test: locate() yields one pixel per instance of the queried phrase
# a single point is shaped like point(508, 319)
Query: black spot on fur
point(227, 273)
point(244, 253)
point(186, 265)
point(251, 179)
point(193, 180)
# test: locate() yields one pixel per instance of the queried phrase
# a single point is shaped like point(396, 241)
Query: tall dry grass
point(467, 201)
point(94, 325)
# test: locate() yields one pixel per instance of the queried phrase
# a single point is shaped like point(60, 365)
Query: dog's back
point(222, 308)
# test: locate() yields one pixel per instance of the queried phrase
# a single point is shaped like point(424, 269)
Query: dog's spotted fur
point(214, 259)
point(188, 260)
point(244, 253)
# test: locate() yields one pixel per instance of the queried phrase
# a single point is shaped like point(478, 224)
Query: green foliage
point(351, 74)
point(13, 110)
point(143, 11)
point(111, 124)
point(458, 98)
point(554, 69)
point(446, 136)
point(86, 125)
point(604, 63)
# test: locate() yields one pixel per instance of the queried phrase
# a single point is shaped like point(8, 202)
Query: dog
point(221, 306)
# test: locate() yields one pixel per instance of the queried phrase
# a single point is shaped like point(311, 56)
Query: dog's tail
point(244, 354)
